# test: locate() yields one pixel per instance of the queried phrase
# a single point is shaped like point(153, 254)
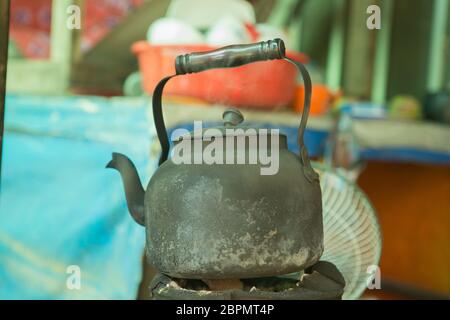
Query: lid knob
point(232, 117)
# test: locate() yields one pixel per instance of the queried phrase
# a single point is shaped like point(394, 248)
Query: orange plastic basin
point(264, 85)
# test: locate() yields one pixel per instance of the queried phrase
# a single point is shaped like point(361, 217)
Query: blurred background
point(80, 74)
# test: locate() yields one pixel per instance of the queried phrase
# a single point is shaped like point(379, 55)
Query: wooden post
point(4, 37)
point(61, 41)
point(382, 50)
point(333, 74)
point(436, 64)
point(358, 58)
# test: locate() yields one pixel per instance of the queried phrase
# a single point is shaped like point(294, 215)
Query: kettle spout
point(134, 192)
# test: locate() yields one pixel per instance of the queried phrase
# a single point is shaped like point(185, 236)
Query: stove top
point(322, 281)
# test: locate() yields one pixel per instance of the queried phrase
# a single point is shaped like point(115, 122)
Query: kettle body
point(229, 221)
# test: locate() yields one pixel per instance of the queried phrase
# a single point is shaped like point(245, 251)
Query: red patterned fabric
point(30, 27)
point(101, 16)
point(31, 22)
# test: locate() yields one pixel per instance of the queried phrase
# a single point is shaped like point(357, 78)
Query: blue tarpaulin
point(60, 207)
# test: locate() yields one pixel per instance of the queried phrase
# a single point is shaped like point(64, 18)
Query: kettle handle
point(229, 57)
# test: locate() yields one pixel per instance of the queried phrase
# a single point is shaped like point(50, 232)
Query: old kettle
point(226, 221)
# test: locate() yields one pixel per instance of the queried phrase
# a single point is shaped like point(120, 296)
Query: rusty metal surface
point(219, 222)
